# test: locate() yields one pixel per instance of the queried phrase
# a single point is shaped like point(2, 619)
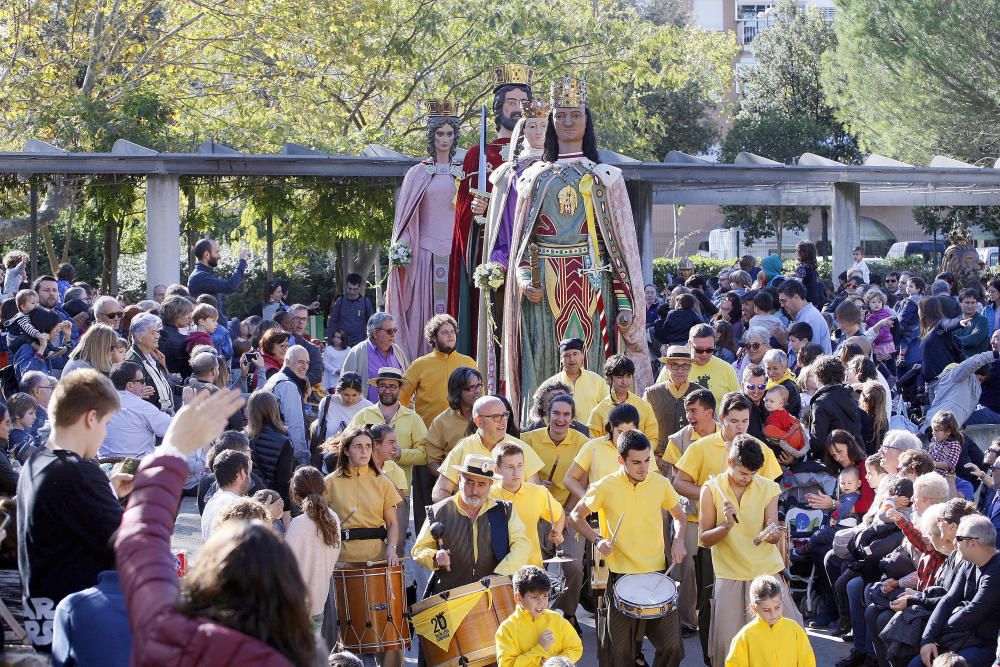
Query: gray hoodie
point(958, 388)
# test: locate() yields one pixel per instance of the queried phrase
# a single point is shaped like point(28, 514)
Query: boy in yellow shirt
point(534, 633)
point(770, 638)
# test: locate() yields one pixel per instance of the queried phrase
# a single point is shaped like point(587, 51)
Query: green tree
point(918, 78)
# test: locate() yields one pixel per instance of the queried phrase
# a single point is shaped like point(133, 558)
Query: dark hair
point(806, 252)
point(434, 123)
point(43, 320)
point(863, 367)
point(764, 301)
point(350, 380)
point(507, 449)
point(229, 440)
point(618, 364)
point(632, 441)
point(512, 427)
point(746, 452)
point(623, 413)
point(309, 492)
point(968, 293)
point(228, 464)
point(919, 282)
point(43, 279)
point(66, 272)
point(123, 373)
point(270, 286)
point(695, 282)
point(457, 382)
point(551, 151)
point(272, 338)
point(531, 579)
point(725, 335)
point(808, 354)
point(703, 397)
point(19, 404)
point(500, 96)
point(339, 445)
point(563, 398)
point(354, 279)
point(802, 331)
point(956, 508)
point(734, 400)
point(855, 452)
point(201, 247)
point(848, 312)
point(830, 370)
point(901, 486)
point(685, 302)
point(916, 462)
point(736, 312)
point(792, 287)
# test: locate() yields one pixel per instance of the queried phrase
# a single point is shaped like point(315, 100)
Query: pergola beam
point(797, 196)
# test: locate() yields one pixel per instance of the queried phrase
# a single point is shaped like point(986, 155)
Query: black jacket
point(173, 345)
point(274, 460)
point(834, 406)
point(969, 615)
point(676, 327)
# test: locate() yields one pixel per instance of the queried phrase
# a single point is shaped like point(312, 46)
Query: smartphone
point(130, 466)
point(4, 521)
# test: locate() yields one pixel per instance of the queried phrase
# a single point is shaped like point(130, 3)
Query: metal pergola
point(680, 179)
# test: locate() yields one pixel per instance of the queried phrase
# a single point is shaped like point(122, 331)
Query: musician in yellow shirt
point(619, 371)
point(534, 633)
point(427, 377)
point(770, 638)
point(588, 387)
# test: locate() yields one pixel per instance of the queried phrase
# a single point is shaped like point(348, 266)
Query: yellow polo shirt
point(520, 547)
point(361, 501)
point(757, 643)
point(411, 435)
point(599, 458)
point(708, 456)
point(589, 390)
point(561, 456)
point(517, 639)
point(717, 376)
point(428, 382)
point(647, 420)
point(736, 557)
point(532, 502)
point(396, 475)
point(446, 430)
point(639, 543)
point(473, 444)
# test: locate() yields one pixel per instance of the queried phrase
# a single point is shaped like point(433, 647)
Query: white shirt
point(133, 430)
point(333, 361)
point(339, 415)
point(220, 501)
point(861, 268)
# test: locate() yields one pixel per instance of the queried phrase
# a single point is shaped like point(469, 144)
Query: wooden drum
point(598, 569)
point(371, 608)
point(473, 642)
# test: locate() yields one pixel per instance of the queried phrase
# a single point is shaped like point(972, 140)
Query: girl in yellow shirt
point(770, 638)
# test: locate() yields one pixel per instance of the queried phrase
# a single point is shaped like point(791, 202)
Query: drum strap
point(499, 533)
point(364, 534)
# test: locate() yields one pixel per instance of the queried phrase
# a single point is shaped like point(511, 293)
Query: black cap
point(74, 307)
point(570, 344)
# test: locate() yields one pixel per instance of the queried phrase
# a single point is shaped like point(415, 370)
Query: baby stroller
point(911, 402)
point(801, 521)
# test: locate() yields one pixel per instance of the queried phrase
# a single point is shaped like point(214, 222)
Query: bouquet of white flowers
point(400, 255)
point(488, 276)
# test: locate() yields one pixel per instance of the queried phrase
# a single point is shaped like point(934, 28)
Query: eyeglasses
point(300, 319)
point(891, 280)
point(754, 346)
point(500, 417)
point(704, 350)
point(114, 315)
point(391, 332)
point(679, 366)
point(473, 387)
point(965, 538)
point(141, 380)
point(758, 387)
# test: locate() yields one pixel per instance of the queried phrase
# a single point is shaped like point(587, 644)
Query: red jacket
point(162, 635)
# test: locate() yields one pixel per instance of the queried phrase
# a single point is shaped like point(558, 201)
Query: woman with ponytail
point(314, 537)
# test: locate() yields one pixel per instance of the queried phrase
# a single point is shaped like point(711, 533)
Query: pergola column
point(163, 231)
point(640, 195)
point(845, 218)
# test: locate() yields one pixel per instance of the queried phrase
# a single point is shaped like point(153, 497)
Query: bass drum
point(371, 608)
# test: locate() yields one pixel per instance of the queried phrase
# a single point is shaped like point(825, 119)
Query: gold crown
point(536, 108)
point(446, 107)
point(506, 75)
point(569, 92)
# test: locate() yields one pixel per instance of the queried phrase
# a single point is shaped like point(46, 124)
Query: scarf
point(787, 376)
point(293, 378)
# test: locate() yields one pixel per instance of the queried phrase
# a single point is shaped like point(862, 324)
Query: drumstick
point(437, 532)
point(723, 494)
point(552, 472)
point(614, 533)
point(667, 573)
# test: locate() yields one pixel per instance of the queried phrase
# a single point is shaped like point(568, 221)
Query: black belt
point(364, 534)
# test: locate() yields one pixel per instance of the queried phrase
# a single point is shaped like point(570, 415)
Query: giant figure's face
point(570, 123)
point(534, 132)
point(510, 112)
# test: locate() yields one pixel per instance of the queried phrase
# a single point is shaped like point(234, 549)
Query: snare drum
point(598, 569)
point(645, 596)
point(471, 641)
point(371, 608)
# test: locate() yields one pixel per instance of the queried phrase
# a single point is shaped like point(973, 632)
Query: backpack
point(8, 381)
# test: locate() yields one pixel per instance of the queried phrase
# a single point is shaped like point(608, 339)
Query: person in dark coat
point(176, 314)
point(203, 279)
point(678, 323)
point(833, 406)
point(270, 446)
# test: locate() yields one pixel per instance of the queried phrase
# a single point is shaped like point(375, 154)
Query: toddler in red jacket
point(780, 424)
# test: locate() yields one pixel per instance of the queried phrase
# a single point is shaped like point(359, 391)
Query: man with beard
point(511, 88)
point(203, 280)
point(467, 552)
point(427, 377)
point(410, 429)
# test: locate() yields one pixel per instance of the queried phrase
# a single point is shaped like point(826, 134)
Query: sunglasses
point(965, 538)
point(114, 315)
point(755, 346)
point(758, 387)
point(704, 350)
point(391, 332)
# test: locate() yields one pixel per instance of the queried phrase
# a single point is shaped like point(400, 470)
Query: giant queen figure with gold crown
point(575, 268)
point(511, 88)
point(420, 251)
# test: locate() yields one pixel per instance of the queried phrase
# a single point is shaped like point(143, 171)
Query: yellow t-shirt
point(517, 639)
point(678, 443)
point(532, 503)
point(708, 456)
point(639, 543)
point(757, 643)
point(428, 382)
point(561, 456)
point(396, 475)
point(589, 390)
point(361, 501)
point(647, 419)
point(736, 557)
point(520, 546)
point(717, 376)
point(598, 458)
point(444, 433)
point(411, 435)
point(473, 444)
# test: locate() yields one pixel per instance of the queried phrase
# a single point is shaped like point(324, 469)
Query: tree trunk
point(69, 234)
point(777, 219)
point(191, 232)
point(109, 276)
point(50, 250)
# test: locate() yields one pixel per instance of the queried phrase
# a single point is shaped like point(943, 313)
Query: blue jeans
point(983, 415)
point(978, 656)
point(856, 604)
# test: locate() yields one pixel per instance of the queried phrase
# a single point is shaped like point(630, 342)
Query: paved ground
point(187, 535)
